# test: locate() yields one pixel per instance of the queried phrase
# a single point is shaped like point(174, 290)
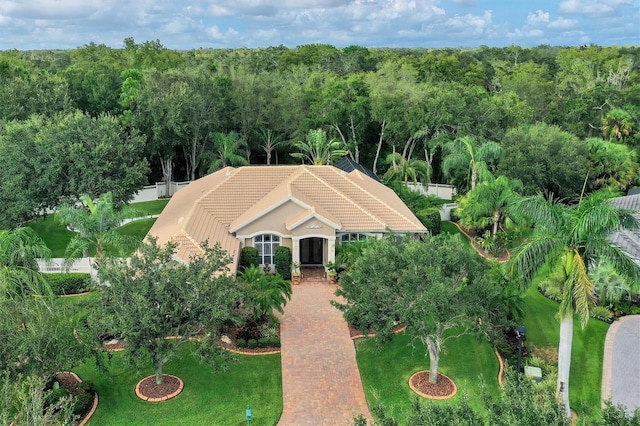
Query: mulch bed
point(148, 388)
point(247, 351)
point(71, 383)
point(443, 389)
point(356, 333)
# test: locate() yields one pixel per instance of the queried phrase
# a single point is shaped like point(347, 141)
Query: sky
point(190, 24)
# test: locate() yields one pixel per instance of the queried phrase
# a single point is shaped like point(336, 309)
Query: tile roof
point(215, 206)
point(628, 241)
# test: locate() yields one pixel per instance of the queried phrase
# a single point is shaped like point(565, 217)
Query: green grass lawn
point(543, 329)
point(136, 230)
point(148, 207)
point(386, 370)
point(208, 398)
point(53, 233)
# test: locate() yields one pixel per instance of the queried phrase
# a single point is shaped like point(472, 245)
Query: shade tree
point(157, 303)
point(436, 286)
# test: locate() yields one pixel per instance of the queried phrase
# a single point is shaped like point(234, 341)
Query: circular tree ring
point(445, 389)
point(171, 387)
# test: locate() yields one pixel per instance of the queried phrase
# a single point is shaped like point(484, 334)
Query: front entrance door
point(311, 251)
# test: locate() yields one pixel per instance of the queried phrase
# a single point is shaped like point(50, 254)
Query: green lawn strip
point(587, 354)
point(448, 227)
point(53, 233)
point(136, 230)
point(208, 397)
point(146, 208)
point(386, 370)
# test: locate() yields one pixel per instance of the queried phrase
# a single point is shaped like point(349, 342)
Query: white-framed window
point(352, 237)
point(266, 244)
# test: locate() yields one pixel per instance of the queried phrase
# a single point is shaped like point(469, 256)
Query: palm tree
point(317, 149)
point(19, 274)
point(227, 149)
point(269, 292)
point(465, 153)
point(489, 203)
point(407, 169)
point(617, 124)
point(575, 239)
point(270, 141)
point(95, 224)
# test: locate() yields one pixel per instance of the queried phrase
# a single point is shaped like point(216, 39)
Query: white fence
point(56, 265)
point(440, 190)
point(158, 191)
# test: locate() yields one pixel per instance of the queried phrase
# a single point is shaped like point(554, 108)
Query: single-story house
point(309, 209)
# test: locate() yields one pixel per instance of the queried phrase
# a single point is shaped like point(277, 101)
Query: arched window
point(266, 244)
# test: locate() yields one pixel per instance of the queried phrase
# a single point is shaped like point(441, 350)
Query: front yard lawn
point(386, 370)
point(208, 397)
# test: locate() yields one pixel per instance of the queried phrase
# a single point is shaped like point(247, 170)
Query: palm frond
point(579, 295)
point(532, 254)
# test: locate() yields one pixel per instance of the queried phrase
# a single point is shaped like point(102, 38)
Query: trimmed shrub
point(601, 313)
point(252, 343)
point(241, 343)
point(68, 283)
point(274, 342)
point(282, 258)
point(249, 257)
point(430, 218)
point(82, 403)
point(263, 342)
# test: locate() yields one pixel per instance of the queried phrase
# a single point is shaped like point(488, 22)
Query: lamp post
point(521, 331)
point(249, 414)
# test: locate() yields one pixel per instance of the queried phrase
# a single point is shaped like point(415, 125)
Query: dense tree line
point(145, 113)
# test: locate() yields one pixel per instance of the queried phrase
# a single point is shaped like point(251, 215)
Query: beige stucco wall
point(273, 221)
point(313, 227)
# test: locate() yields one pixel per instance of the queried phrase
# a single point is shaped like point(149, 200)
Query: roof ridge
point(402, 216)
point(343, 196)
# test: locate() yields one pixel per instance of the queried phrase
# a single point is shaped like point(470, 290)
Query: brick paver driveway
point(621, 365)
point(320, 378)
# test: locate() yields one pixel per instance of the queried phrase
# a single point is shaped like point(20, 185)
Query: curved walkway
point(320, 379)
point(621, 364)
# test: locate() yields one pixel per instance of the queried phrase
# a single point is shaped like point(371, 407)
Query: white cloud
point(591, 7)
point(563, 24)
point(537, 18)
point(215, 33)
point(466, 3)
point(470, 24)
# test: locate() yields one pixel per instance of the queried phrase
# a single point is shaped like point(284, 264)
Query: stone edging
point(501, 369)
point(424, 395)
point(164, 398)
point(236, 351)
point(84, 293)
point(94, 407)
point(373, 333)
point(473, 245)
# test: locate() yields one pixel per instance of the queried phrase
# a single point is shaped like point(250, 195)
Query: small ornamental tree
point(437, 287)
point(157, 303)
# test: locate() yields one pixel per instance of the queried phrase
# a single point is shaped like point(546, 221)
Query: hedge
point(430, 218)
point(249, 257)
point(282, 258)
point(69, 283)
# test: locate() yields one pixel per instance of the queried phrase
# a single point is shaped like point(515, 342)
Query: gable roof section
point(215, 206)
point(348, 165)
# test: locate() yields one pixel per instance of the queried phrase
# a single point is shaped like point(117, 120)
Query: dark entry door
point(311, 250)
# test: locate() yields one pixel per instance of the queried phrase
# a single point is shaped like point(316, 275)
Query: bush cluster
point(69, 283)
point(249, 257)
point(430, 218)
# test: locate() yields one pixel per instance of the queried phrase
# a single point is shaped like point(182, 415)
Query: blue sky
point(187, 24)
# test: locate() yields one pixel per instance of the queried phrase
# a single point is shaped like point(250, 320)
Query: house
point(628, 240)
point(309, 209)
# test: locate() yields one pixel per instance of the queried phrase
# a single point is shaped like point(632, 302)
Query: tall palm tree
point(574, 238)
point(405, 169)
point(95, 224)
point(227, 151)
point(317, 149)
point(617, 124)
point(489, 203)
point(19, 274)
point(465, 153)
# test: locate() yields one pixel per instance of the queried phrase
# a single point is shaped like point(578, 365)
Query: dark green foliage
point(252, 344)
point(614, 415)
point(82, 403)
point(430, 218)
point(68, 283)
point(433, 414)
point(249, 257)
point(87, 386)
point(241, 343)
point(282, 256)
point(54, 396)
point(274, 342)
point(263, 342)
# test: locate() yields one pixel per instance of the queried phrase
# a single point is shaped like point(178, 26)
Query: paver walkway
point(621, 364)
point(320, 379)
